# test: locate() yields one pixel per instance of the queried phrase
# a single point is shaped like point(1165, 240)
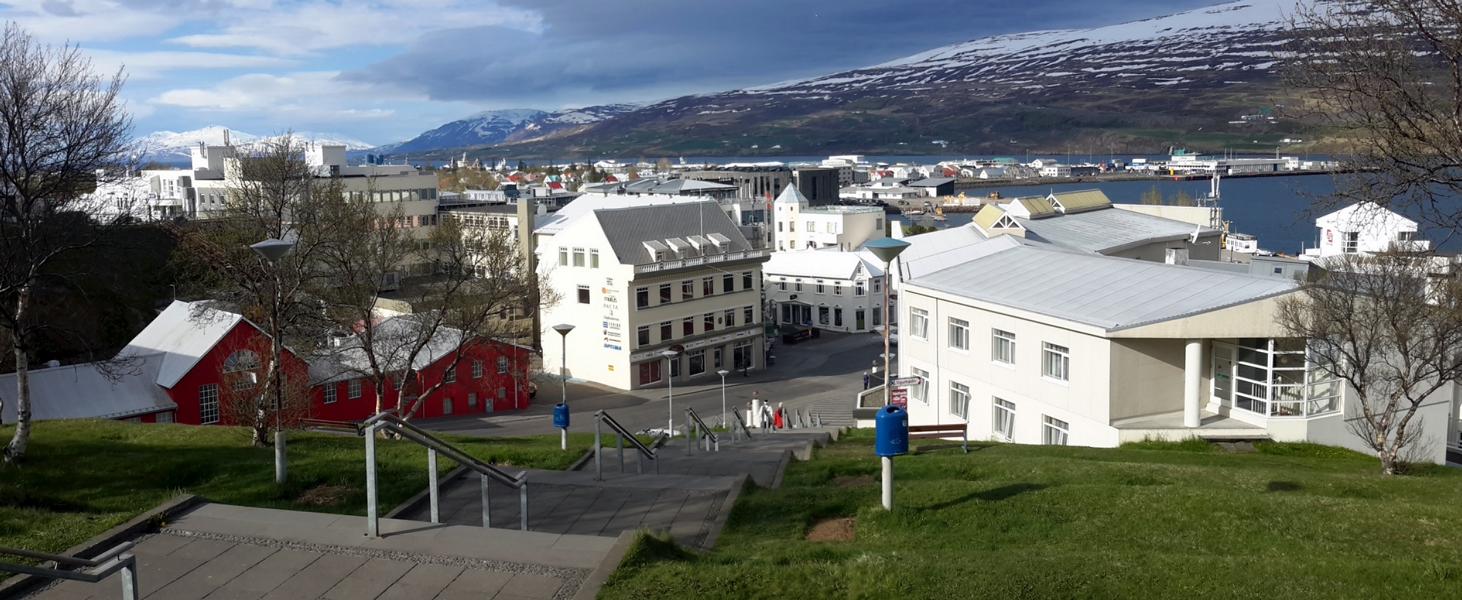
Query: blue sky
point(384, 71)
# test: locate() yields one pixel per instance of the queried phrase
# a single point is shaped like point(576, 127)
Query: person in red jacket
point(778, 418)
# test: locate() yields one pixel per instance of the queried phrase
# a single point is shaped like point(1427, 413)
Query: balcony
point(698, 261)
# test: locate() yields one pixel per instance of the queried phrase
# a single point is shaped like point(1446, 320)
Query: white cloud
point(87, 20)
point(154, 65)
point(297, 96)
point(313, 26)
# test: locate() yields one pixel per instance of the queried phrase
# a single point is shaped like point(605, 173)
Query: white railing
point(682, 263)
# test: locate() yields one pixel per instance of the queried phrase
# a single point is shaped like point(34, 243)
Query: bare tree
point(245, 368)
point(1389, 327)
point(272, 194)
point(62, 127)
point(1386, 78)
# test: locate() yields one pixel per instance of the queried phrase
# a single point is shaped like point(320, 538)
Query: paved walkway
point(223, 552)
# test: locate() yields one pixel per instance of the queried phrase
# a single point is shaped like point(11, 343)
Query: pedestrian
point(867, 377)
point(779, 420)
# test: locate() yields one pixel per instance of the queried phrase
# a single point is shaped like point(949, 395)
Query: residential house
point(828, 289)
point(800, 226)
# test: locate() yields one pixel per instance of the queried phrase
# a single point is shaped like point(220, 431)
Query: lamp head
point(886, 249)
point(273, 250)
point(563, 328)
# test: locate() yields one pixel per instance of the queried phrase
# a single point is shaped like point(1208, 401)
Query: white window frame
point(1002, 419)
point(1002, 347)
point(959, 400)
point(919, 323)
point(477, 369)
point(332, 390)
point(502, 365)
point(353, 389)
point(208, 411)
point(921, 391)
point(1055, 362)
point(1055, 432)
point(959, 334)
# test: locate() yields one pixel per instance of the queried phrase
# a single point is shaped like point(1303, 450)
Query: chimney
point(1177, 256)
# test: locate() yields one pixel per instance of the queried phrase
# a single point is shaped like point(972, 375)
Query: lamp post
point(563, 330)
point(886, 249)
point(274, 251)
point(723, 373)
point(670, 355)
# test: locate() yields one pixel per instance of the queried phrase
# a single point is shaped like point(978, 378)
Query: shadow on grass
point(1284, 486)
point(991, 495)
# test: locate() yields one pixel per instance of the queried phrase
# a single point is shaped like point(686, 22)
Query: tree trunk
point(15, 451)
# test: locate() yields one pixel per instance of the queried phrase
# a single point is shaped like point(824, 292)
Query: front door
point(858, 318)
point(1223, 375)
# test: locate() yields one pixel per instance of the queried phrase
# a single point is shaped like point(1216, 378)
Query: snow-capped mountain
point(176, 146)
point(505, 126)
point(1136, 86)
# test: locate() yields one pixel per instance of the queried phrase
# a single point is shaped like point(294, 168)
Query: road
point(821, 375)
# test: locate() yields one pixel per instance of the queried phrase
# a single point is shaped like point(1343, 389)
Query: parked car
point(792, 334)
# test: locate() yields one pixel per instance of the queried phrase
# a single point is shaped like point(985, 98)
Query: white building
point(826, 289)
point(801, 226)
point(636, 280)
point(1365, 228)
point(1032, 343)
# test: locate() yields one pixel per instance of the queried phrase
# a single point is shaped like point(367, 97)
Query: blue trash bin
point(891, 431)
point(561, 416)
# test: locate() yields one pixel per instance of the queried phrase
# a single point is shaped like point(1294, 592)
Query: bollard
point(431, 484)
point(373, 524)
point(598, 452)
point(523, 503)
point(486, 517)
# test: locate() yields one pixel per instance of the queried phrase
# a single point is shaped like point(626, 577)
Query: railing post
point(523, 505)
point(129, 579)
point(373, 526)
point(690, 440)
point(598, 451)
point(431, 476)
point(486, 518)
point(619, 445)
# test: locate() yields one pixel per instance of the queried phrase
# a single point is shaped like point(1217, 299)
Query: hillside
point(1202, 78)
point(177, 146)
point(496, 127)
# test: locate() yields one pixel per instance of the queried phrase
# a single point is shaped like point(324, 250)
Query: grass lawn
point(1144, 521)
point(80, 478)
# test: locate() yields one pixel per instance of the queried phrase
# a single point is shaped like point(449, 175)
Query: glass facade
point(1276, 378)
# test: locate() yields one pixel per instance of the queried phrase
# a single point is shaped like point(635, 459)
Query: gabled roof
point(394, 338)
point(1106, 292)
point(627, 229)
point(791, 195)
point(109, 390)
point(587, 203)
point(1080, 201)
point(1366, 216)
point(1032, 208)
point(183, 333)
point(1109, 230)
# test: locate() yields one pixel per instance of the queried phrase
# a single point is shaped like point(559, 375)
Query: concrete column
point(1192, 377)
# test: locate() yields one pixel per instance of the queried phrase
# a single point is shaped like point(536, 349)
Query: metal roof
point(1108, 230)
point(988, 216)
point(1037, 208)
point(183, 333)
point(106, 390)
point(791, 195)
point(1082, 200)
point(1106, 292)
point(627, 229)
point(586, 204)
point(394, 339)
point(828, 264)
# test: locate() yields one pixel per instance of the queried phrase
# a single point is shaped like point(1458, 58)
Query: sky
point(384, 71)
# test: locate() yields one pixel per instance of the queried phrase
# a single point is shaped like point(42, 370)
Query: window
point(837, 316)
point(959, 400)
point(449, 375)
point(665, 293)
point(563, 257)
point(710, 322)
point(687, 289)
point(822, 315)
point(208, 404)
point(165, 417)
point(728, 283)
point(687, 326)
point(782, 285)
point(665, 332)
point(697, 362)
point(858, 289)
point(1054, 432)
point(583, 294)
point(748, 315)
point(674, 367)
point(820, 287)
point(746, 281)
point(330, 390)
point(642, 297)
point(502, 365)
point(447, 405)
point(1002, 346)
point(729, 318)
point(593, 258)
point(471, 400)
point(1055, 362)
point(352, 390)
point(837, 289)
point(578, 257)
point(642, 335)
point(1350, 243)
point(1003, 421)
point(877, 315)
point(920, 392)
point(798, 287)
point(959, 334)
point(650, 371)
point(919, 323)
point(708, 286)
point(477, 369)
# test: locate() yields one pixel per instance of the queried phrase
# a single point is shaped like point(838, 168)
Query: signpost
point(908, 381)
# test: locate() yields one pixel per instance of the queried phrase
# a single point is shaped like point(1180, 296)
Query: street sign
point(908, 381)
point(899, 397)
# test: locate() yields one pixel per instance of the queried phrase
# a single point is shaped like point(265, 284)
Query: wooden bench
point(328, 425)
point(941, 432)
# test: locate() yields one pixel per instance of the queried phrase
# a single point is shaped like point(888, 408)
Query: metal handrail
point(740, 427)
point(387, 420)
point(601, 417)
point(93, 570)
point(707, 436)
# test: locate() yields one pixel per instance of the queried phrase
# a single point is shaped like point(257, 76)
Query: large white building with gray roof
point(636, 279)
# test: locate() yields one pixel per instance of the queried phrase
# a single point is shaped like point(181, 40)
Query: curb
point(17, 585)
point(583, 460)
point(781, 468)
point(589, 589)
point(730, 504)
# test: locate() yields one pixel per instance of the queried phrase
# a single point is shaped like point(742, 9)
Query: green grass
point(1150, 520)
point(80, 478)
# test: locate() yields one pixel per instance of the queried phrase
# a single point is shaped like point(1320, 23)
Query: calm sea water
point(1278, 210)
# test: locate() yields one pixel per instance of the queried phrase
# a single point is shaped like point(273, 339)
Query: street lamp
point(723, 373)
point(670, 388)
point(274, 251)
point(563, 330)
point(886, 249)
